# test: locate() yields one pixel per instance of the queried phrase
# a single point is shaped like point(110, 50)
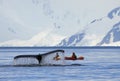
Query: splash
point(26, 61)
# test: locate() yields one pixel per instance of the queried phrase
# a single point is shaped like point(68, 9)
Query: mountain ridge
point(98, 27)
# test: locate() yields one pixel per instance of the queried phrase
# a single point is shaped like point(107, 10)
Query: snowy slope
point(95, 31)
point(112, 36)
point(72, 40)
point(112, 44)
point(45, 38)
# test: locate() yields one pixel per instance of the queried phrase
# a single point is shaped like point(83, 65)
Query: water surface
point(100, 64)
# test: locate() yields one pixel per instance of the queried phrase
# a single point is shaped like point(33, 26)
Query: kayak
point(70, 58)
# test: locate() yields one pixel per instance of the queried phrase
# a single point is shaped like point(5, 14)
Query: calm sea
point(100, 64)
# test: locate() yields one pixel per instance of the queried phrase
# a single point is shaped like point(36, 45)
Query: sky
point(24, 19)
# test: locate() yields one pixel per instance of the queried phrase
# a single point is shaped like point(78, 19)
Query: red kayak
point(70, 58)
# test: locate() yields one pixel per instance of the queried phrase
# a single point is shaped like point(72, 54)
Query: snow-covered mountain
point(47, 22)
point(112, 36)
point(73, 40)
point(100, 31)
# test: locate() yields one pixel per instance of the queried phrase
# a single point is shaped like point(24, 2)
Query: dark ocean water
point(100, 64)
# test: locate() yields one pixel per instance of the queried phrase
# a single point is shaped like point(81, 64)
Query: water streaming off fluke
point(49, 58)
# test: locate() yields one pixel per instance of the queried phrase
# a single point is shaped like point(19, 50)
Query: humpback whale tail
point(48, 58)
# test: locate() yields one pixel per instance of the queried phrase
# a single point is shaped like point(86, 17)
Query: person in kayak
point(74, 57)
point(57, 57)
